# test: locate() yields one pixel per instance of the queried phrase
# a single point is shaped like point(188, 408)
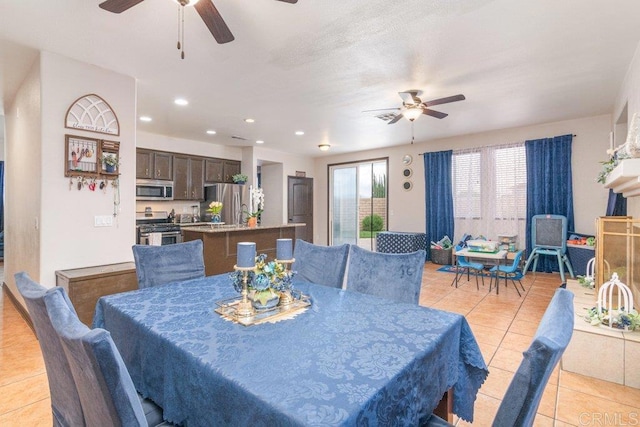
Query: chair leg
point(560, 265)
point(514, 285)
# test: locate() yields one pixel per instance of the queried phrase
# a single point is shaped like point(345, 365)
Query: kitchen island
point(220, 242)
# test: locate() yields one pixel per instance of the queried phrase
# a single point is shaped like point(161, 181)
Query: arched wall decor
point(93, 114)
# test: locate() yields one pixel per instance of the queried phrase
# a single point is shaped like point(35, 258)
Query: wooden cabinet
point(231, 167)
point(213, 170)
point(220, 170)
point(188, 179)
point(154, 165)
point(86, 285)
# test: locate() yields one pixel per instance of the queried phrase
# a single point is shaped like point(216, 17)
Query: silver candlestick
point(245, 309)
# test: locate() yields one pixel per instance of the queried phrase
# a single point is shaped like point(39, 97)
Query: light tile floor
point(503, 326)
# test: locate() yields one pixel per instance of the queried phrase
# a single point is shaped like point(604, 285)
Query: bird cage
point(614, 298)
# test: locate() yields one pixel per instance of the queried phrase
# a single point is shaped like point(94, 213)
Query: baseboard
point(23, 311)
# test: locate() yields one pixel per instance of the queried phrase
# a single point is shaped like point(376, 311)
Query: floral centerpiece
point(620, 320)
point(265, 282)
point(215, 208)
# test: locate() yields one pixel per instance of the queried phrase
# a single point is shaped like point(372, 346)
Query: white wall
point(406, 208)
point(49, 226)
point(23, 175)
point(629, 96)
point(2, 153)
point(69, 238)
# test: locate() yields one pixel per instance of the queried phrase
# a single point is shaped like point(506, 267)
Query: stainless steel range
point(155, 228)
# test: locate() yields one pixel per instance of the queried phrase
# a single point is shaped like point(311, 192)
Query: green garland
point(632, 319)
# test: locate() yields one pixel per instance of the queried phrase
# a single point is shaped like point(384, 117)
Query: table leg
point(444, 409)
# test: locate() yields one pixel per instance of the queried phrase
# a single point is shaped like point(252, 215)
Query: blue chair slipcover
point(521, 401)
point(323, 265)
point(463, 265)
point(507, 271)
point(106, 390)
point(393, 276)
point(65, 402)
point(158, 265)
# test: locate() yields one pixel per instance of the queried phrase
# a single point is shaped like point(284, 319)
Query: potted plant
point(110, 162)
point(256, 206)
point(215, 208)
point(240, 178)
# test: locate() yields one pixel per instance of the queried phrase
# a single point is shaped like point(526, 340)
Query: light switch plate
point(103, 221)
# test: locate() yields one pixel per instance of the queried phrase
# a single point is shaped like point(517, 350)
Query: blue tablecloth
point(350, 359)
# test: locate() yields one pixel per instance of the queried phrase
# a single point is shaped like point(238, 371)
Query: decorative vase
point(252, 222)
point(110, 168)
point(215, 218)
point(267, 304)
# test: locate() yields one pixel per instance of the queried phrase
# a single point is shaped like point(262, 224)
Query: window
point(490, 191)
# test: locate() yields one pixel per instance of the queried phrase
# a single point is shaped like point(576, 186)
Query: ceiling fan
point(205, 8)
point(413, 107)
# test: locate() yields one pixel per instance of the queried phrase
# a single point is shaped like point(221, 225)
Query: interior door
point(300, 206)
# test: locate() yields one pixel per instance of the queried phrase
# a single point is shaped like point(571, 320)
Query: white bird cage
point(606, 300)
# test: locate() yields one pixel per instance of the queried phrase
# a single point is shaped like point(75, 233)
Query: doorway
point(300, 206)
point(358, 202)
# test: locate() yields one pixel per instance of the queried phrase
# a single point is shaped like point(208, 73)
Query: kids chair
point(549, 237)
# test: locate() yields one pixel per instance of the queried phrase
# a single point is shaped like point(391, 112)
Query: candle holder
point(285, 297)
point(245, 309)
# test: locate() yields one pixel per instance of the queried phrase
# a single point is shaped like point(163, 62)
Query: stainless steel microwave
point(149, 189)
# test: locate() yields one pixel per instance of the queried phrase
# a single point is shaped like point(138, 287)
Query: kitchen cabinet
point(154, 165)
point(220, 170)
point(188, 178)
point(86, 285)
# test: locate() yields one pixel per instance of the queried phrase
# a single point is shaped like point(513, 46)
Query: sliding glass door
point(357, 202)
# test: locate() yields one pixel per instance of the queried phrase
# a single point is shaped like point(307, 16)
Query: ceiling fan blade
point(395, 119)
point(118, 6)
point(434, 113)
point(381, 109)
point(213, 20)
point(446, 100)
point(290, 1)
point(410, 96)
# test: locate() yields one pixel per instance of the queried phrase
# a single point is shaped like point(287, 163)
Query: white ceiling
point(316, 65)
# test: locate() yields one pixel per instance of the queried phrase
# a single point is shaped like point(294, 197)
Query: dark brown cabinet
point(220, 170)
point(154, 165)
point(231, 167)
point(188, 179)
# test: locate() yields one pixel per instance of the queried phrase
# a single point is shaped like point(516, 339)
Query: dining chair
point(323, 265)
point(393, 276)
point(158, 265)
point(65, 402)
point(522, 398)
point(508, 272)
point(463, 265)
point(106, 391)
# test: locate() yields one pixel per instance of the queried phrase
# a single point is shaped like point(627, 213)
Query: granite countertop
point(209, 227)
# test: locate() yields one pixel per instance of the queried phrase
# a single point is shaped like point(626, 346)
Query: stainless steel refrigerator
point(234, 198)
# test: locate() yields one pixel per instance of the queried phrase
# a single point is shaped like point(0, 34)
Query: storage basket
point(441, 256)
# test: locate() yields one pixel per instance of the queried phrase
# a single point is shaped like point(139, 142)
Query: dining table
point(347, 359)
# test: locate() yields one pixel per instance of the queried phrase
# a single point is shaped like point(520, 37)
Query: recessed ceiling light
point(145, 119)
point(324, 147)
point(299, 133)
point(181, 101)
point(249, 120)
point(259, 141)
point(211, 132)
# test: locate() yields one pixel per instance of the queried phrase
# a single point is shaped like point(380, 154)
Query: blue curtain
point(549, 186)
point(438, 196)
point(1, 196)
point(617, 204)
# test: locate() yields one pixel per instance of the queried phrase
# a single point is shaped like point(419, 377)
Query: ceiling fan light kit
point(413, 107)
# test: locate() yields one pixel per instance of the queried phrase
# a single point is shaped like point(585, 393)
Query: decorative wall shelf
point(625, 178)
